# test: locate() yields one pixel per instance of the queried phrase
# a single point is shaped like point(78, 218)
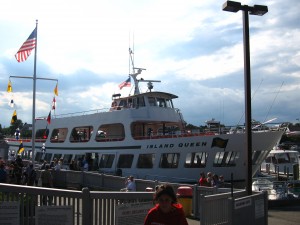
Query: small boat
point(278, 190)
point(284, 162)
point(144, 135)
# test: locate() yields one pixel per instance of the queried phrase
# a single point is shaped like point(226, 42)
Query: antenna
point(137, 71)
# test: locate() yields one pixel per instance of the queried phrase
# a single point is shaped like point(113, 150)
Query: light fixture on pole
point(258, 10)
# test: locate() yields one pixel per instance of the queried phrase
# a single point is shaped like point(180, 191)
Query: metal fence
point(89, 207)
point(98, 207)
point(222, 209)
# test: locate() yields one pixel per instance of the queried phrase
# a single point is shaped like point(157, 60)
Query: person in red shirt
point(167, 211)
point(202, 181)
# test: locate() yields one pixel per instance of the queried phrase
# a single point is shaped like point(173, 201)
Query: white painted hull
point(262, 142)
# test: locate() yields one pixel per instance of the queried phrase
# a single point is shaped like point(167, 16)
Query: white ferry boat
point(144, 135)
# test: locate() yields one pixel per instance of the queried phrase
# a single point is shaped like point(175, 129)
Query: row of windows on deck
point(105, 133)
point(166, 160)
point(140, 102)
point(111, 132)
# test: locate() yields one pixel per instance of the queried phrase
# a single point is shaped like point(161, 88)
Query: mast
point(137, 71)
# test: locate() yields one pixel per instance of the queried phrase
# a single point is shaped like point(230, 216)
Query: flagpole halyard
point(34, 96)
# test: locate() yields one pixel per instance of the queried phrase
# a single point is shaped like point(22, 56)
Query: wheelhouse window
point(169, 103)
point(169, 160)
point(110, 132)
point(140, 101)
point(196, 160)
point(151, 101)
point(225, 159)
point(286, 158)
point(125, 161)
point(145, 161)
point(59, 135)
point(106, 160)
point(161, 102)
point(41, 135)
point(153, 129)
point(81, 134)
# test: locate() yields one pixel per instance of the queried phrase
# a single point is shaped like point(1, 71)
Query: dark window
point(225, 159)
point(169, 160)
point(110, 132)
point(145, 161)
point(151, 101)
point(59, 135)
point(196, 160)
point(38, 156)
point(48, 157)
point(125, 161)
point(81, 134)
point(106, 161)
point(161, 102)
point(57, 156)
point(67, 159)
point(41, 135)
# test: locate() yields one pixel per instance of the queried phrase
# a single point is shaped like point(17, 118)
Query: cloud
point(194, 48)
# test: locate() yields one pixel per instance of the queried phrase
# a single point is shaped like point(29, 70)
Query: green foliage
point(10, 131)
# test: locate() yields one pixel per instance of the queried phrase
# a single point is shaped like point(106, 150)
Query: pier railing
point(94, 199)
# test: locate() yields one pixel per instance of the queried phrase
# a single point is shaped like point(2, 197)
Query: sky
point(193, 47)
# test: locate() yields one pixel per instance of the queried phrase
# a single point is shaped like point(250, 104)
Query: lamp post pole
point(247, 83)
point(260, 10)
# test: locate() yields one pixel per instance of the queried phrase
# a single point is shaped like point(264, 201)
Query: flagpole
point(33, 97)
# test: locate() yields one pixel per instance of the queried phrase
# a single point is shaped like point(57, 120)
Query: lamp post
point(258, 10)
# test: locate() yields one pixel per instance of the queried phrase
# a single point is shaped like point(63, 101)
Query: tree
point(10, 131)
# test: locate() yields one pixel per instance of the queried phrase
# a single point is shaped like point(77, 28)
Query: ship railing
point(82, 113)
point(41, 140)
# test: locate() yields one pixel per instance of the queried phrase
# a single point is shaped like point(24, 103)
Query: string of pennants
point(12, 103)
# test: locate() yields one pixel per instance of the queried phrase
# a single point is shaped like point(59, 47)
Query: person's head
point(165, 197)
point(131, 178)
point(202, 174)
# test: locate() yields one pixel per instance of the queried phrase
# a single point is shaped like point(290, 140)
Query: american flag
point(27, 47)
point(126, 83)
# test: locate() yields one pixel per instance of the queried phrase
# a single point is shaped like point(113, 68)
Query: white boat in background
point(281, 161)
point(278, 190)
point(144, 135)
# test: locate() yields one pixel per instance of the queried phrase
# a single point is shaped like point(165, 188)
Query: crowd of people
point(166, 209)
point(211, 180)
point(17, 172)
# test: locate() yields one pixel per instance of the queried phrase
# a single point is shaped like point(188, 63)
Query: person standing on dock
point(167, 211)
point(130, 184)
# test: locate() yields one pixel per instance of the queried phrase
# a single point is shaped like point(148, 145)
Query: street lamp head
point(258, 10)
point(231, 6)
